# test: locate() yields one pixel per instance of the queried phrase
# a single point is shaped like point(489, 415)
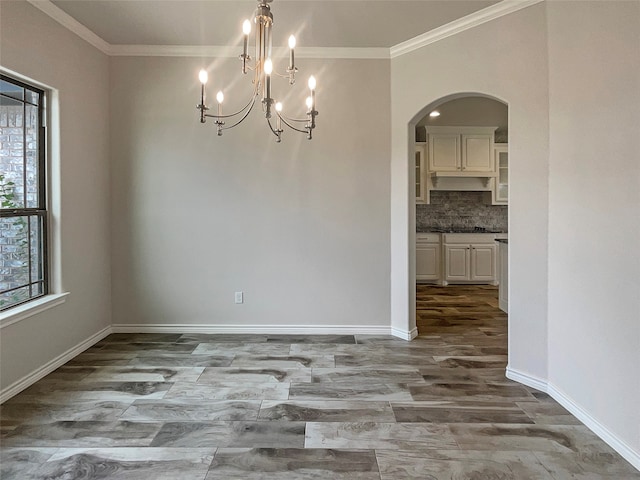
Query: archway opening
point(459, 167)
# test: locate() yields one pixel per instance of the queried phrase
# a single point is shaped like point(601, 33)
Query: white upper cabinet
point(461, 150)
point(501, 185)
point(444, 152)
point(421, 174)
point(477, 153)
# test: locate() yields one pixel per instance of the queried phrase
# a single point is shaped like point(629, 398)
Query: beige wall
point(505, 59)
point(594, 220)
point(301, 227)
point(35, 46)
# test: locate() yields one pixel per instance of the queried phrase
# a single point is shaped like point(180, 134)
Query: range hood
point(461, 181)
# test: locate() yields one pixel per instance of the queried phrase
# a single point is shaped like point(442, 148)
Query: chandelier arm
point(291, 126)
point(253, 102)
point(280, 74)
point(294, 119)
point(275, 132)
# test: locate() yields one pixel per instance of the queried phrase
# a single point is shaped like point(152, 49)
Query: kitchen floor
point(468, 309)
point(166, 407)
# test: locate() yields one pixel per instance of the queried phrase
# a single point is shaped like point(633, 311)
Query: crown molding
point(232, 52)
point(500, 9)
point(71, 24)
point(492, 12)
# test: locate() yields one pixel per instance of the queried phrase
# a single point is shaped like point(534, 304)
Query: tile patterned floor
point(204, 407)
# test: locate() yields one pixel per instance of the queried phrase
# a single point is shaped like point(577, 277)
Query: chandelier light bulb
point(309, 102)
point(279, 107)
point(292, 42)
point(268, 66)
point(312, 82)
point(203, 76)
point(246, 27)
point(220, 97)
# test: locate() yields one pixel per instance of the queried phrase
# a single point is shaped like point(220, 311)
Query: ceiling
point(324, 23)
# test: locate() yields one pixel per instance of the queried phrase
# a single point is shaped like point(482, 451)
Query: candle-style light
point(203, 76)
point(279, 120)
point(268, 70)
point(312, 87)
point(312, 106)
point(292, 61)
point(246, 30)
point(219, 121)
point(220, 99)
point(292, 46)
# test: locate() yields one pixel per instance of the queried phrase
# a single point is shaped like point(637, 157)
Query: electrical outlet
point(239, 297)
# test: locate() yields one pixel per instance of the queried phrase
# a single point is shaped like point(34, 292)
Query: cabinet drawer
point(427, 238)
point(468, 238)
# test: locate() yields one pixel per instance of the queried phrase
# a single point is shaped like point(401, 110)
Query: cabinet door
point(427, 262)
point(457, 262)
point(503, 293)
point(420, 175)
point(483, 263)
point(477, 153)
point(444, 152)
point(501, 190)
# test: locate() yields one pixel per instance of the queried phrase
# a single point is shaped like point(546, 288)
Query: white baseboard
point(595, 426)
point(619, 445)
point(47, 368)
point(404, 334)
point(526, 379)
point(252, 329)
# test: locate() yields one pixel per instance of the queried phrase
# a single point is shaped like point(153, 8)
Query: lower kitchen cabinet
point(483, 263)
point(469, 258)
point(428, 257)
point(457, 262)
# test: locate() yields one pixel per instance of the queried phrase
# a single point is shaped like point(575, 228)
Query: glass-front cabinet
point(421, 177)
point(501, 185)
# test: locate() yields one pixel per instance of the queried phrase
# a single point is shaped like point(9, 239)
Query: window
point(23, 214)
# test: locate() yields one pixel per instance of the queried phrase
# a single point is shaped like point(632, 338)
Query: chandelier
point(262, 72)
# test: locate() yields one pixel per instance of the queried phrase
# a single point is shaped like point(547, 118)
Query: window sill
point(31, 308)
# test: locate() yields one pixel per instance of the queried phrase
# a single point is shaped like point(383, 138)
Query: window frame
point(41, 212)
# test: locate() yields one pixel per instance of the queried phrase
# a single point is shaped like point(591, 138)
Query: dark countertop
point(435, 230)
point(503, 240)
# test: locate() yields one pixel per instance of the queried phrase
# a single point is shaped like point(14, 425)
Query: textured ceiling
point(320, 23)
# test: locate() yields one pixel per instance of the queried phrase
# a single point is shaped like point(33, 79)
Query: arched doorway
point(484, 212)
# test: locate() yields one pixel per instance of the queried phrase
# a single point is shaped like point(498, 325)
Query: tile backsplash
point(460, 211)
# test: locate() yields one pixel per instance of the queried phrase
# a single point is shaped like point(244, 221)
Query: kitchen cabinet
point(444, 152)
point(421, 177)
point(503, 275)
point(469, 258)
point(428, 257)
point(483, 263)
point(457, 262)
point(460, 151)
point(500, 191)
